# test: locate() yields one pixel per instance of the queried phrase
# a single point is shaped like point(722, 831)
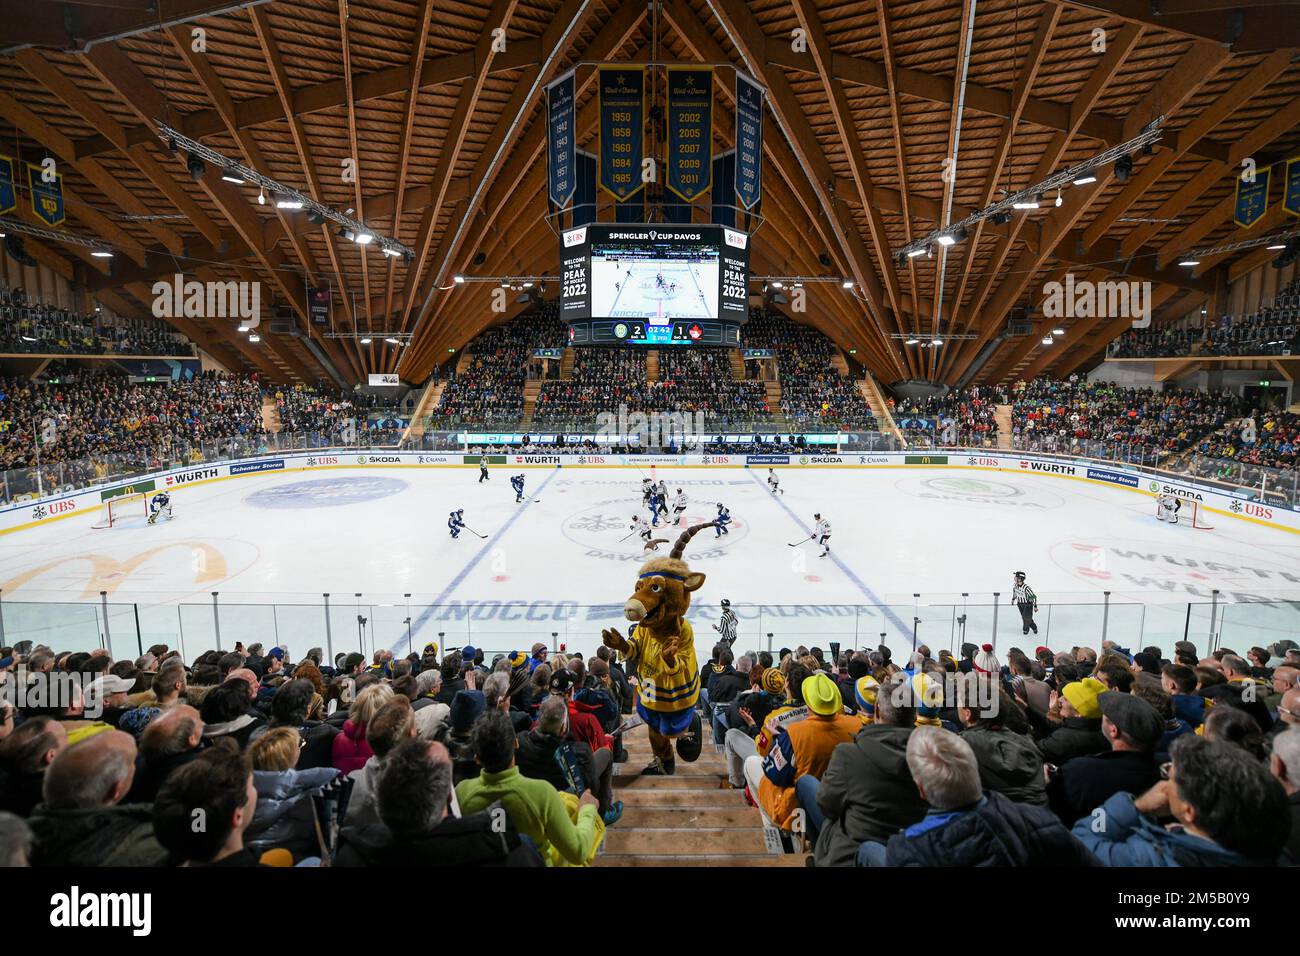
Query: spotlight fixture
point(458, 279)
point(363, 238)
point(230, 176)
point(366, 340)
point(1123, 168)
point(912, 341)
point(287, 202)
point(1058, 199)
point(254, 338)
point(196, 166)
point(846, 284)
point(777, 285)
point(936, 342)
point(1275, 247)
point(315, 218)
point(1190, 262)
point(946, 239)
point(1058, 331)
point(1047, 340)
point(243, 328)
point(1087, 176)
point(913, 253)
point(261, 197)
point(390, 340)
point(1025, 204)
point(102, 254)
point(1001, 218)
point(388, 251)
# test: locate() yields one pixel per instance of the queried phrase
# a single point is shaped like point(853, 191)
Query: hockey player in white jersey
point(662, 489)
point(774, 483)
point(679, 506)
point(822, 534)
point(647, 486)
point(1167, 508)
point(159, 504)
point(644, 529)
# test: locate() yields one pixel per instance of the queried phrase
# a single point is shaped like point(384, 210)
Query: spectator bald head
point(551, 715)
point(34, 744)
point(176, 730)
point(1234, 667)
point(96, 772)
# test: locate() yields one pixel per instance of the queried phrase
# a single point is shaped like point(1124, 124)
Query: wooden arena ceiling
point(449, 144)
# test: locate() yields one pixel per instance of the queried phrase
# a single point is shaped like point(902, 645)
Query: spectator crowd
point(1273, 330)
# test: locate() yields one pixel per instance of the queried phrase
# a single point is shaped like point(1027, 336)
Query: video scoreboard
point(654, 285)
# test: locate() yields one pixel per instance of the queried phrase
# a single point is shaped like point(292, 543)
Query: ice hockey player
point(1168, 507)
point(1024, 598)
point(726, 626)
point(159, 504)
point(482, 470)
point(517, 483)
point(679, 506)
point(654, 505)
point(455, 522)
point(774, 483)
point(647, 486)
point(642, 527)
point(721, 521)
point(822, 534)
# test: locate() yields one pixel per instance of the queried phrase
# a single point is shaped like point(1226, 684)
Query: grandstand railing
point(57, 477)
point(405, 625)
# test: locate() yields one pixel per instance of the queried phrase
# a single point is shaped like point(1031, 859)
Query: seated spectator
point(1284, 765)
point(1179, 682)
point(867, 792)
point(752, 713)
point(167, 686)
point(285, 816)
point(290, 707)
point(1133, 729)
point(227, 712)
point(1233, 726)
point(416, 828)
point(217, 788)
point(565, 832)
point(82, 820)
point(394, 723)
point(966, 826)
point(172, 739)
point(1009, 763)
point(25, 755)
point(1227, 811)
point(550, 752)
point(1079, 732)
point(799, 755)
point(1241, 690)
point(350, 749)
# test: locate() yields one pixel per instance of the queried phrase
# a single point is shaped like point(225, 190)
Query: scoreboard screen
point(654, 285)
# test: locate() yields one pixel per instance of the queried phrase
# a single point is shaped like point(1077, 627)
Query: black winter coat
point(1076, 737)
point(997, 832)
point(1009, 763)
point(1086, 783)
point(466, 841)
point(535, 757)
point(121, 835)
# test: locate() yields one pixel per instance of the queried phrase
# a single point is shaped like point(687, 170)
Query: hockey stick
point(626, 536)
point(472, 531)
point(797, 543)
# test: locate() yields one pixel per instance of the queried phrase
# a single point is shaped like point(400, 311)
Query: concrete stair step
point(676, 818)
point(684, 840)
point(678, 782)
point(712, 797)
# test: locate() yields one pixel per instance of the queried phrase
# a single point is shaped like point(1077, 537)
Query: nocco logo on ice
point(208, 300)
point(1159, 489)
point(1106, 300)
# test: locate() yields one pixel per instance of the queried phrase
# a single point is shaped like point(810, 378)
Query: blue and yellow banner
point(1252, 199)
point(1291, 187)
point(622, 129)
point(749, 142)
point(690, 131)
point(561, 141)
point(47, 198)
point(8, 185)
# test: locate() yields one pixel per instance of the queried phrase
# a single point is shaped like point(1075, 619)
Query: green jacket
point(536, 808)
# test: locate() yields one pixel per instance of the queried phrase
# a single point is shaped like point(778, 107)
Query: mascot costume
point(661, 647)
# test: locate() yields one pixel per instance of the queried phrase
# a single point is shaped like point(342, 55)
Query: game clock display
point(654, 285)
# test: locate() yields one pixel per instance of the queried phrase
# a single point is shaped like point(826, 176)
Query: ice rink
point(271, 545)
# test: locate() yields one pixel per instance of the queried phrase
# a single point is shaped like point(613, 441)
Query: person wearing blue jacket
point(1227, 811)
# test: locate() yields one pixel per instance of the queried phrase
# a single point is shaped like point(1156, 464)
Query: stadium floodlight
point(458, 279)
point(1190, 262)
point(102, 254)
point(287, 202)
point(254, 338)
point(231, 176)
point(946, 239)
point(912, 341)
point(1275, 247)
point(391, 341)
point(363, 238)
point(1088, 176)
point(936, 342)
point(196, 166)
point(1058, 331)
point(846, 284)
point(243, 328)
point(920, 251)
point(1047, 340)
point(778, 285)
point(366, 340)
point(1025, 204)
point(390, 251)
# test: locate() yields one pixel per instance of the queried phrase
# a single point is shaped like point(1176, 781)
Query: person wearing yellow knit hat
point(801, 751)
point(1079, 733)
point(865, 691)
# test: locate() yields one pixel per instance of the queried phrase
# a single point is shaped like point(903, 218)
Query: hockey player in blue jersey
point(655, 501)
point(721, 521)
point(455, 522)
point(517, 483)
point(159, 504)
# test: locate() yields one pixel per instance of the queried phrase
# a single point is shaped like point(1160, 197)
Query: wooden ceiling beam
point(1240, 27)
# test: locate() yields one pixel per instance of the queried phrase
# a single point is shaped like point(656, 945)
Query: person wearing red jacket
point(583, 725)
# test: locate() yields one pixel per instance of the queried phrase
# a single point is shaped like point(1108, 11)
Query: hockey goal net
point(1189, 514)
point(132, 505)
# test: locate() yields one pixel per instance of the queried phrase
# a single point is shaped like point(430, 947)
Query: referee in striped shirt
point(727, 626)
point(1024, 598)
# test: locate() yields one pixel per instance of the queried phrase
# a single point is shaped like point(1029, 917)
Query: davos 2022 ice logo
point(327, 492)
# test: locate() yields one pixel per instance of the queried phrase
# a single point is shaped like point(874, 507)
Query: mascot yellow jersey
point(664, 689)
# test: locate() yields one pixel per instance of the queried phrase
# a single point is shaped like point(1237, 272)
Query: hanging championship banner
point(319, 303)
point(1252, 199)
point(8, 185)
point(622, 129)
point(690, 131)
point(560, 141)
point(749, 142)
point(1291, 187)
point(47, 198)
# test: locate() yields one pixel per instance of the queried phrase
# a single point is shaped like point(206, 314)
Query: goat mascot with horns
point(661, 647)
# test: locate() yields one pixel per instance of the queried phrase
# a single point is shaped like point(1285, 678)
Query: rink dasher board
point(39, 511)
